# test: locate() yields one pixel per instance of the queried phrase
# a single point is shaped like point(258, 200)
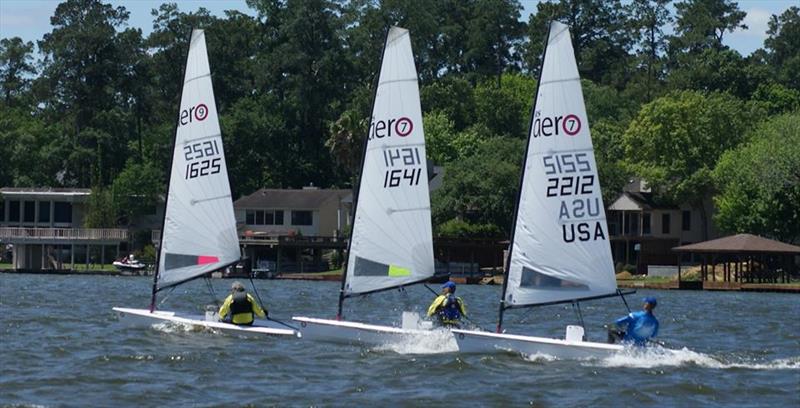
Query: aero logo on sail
point(198, 113)
point(553, 126)
point(387, 128)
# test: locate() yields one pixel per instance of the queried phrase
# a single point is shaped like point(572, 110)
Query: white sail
point(561, 245)
point(200, 227)
point(392, 243)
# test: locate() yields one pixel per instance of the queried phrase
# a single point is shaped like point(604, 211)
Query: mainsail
point(199, 234)
point(392, 243)
point(560, 248)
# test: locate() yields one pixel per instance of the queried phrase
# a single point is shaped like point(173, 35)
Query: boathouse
point(742, 259)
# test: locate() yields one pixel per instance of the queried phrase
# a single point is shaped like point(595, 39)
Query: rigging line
point(193, 202)
point(464, 316)
point(255, 290)
point(210, 287)
point(622, 295)
point(576, 306)
point(172, 289)
point(189, 141)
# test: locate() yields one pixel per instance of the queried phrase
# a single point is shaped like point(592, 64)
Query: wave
point(177, 327)
point(429, 342)
point(662, 357)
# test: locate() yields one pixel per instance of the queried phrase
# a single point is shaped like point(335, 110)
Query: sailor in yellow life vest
point(447, 307)
point(241, 307)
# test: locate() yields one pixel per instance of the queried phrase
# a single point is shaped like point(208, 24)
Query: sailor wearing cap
point(447, 307)
point(641, 326)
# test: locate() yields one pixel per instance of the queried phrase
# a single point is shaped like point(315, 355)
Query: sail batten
point(560, 251)
point(199, 233)
point(392, 243)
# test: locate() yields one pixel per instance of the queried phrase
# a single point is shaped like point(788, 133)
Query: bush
point(458, 228)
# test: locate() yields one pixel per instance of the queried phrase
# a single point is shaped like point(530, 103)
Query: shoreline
point(487, 280)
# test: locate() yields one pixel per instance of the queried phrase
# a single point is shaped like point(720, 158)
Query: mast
point(360, 179)
point(502, 306)
point(169, 179)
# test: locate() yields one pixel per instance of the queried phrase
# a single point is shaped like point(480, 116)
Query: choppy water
point(62, 345)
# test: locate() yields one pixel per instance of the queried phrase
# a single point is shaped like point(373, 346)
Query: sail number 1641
point(403, 165)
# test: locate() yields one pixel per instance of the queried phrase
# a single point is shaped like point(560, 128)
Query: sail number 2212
point(200, 160)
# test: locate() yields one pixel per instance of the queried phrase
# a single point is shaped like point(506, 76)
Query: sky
point(30, 19)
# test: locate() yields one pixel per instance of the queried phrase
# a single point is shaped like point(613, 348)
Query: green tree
point(601, 37)
point(648, 18)
point(675, 141)
point(783, 43)
point(452, 95)
point(481, 189)
point(759, 183)
point(136, 191)
point(609, 153)
point(494, 35)
point(439, 137)
point(702, 24)
point(16, 67)
point(514, 95)
point(85, 60)
point(776, 99)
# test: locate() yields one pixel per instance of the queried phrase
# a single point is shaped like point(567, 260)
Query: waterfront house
point(43, 230)
point(643, 231)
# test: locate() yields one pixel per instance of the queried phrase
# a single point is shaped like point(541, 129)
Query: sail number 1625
point(202, 159)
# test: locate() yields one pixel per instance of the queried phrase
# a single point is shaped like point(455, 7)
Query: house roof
point(46, 190)
point(635, 200)
point(280, 198)
point(740, 243)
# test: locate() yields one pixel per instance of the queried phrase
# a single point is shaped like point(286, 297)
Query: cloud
point(756, 21)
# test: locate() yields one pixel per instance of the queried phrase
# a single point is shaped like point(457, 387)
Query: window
point(264, 217)
point(44, 211)
point(686, 221)
point(63, 212)
point(646, 223)
point(2, 210)
point(631, 223)
point(665, 219)
point(13, 211)
point(29, 214)
point(302, 218)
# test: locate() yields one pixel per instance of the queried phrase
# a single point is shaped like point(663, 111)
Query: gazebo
point(745, 258)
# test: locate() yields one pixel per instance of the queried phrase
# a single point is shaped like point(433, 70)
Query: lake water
point(62, 345)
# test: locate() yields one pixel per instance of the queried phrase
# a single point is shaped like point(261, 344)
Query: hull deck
point(260, 327)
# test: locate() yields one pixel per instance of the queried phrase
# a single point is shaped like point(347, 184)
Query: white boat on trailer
point(392, 243)
point(199, 228)
point(559, 251)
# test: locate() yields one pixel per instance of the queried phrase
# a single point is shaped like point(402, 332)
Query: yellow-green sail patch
point(398, 271)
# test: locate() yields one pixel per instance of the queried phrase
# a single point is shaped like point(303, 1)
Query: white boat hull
point(359, 333)
point(129, 266)
point(484, 342)
point(259, 327)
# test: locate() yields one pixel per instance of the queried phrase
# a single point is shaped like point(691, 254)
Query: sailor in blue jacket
point(640, 326)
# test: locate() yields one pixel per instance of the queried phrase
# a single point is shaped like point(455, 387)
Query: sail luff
point(157, 269)
point(199, 232)
point(502, 306)
point(560, 250)
point(342, 296)
point(391, 241)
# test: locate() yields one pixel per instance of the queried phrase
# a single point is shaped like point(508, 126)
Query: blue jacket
point(639, 327)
